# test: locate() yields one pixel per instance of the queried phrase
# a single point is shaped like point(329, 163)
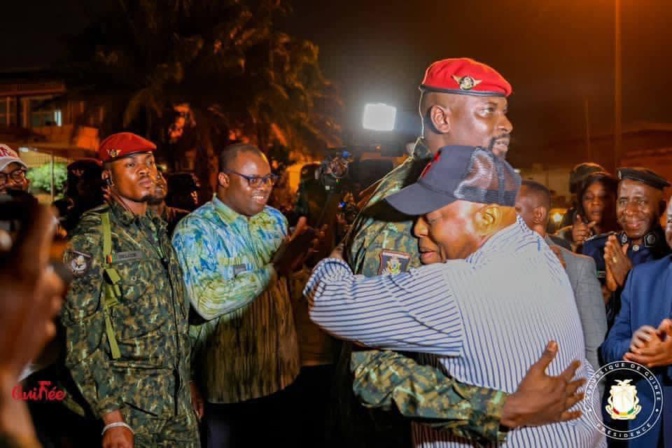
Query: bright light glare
point(557, 217)
point(379, 117)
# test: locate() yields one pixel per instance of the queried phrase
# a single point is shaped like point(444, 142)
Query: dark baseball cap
point(465, 173)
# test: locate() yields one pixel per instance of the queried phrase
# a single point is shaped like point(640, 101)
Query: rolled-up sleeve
point(414, 311)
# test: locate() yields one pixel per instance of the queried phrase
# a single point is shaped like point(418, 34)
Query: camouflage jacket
point(381, 242)
point(150, 320)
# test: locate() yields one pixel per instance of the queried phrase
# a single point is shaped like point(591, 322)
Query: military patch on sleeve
point(392, 262)
point(77, 262)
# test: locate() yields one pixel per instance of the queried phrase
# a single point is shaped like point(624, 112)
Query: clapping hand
point(652, 347)
point(617, 263)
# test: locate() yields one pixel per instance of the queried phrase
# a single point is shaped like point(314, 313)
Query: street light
point(379, 117)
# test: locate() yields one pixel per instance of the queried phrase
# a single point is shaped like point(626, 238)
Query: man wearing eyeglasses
point(235, 253)
point(12, 170)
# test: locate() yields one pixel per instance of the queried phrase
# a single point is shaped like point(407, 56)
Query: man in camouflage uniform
point(463, 102)
point(126, 313)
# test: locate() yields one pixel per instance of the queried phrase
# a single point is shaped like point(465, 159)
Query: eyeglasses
point(16, 175)
point(255, 181)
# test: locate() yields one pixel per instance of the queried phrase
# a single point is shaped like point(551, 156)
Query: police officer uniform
point(126, 318)
point(653, 246)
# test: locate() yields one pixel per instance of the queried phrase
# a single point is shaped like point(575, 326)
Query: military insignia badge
point(466, 82)
point(77, 262)
point(623, 238)
point(392, 263)
point(650, 240)
point(623, 401)
point(113, 153)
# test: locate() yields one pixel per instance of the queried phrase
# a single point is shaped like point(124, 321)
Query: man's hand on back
point(541, 399)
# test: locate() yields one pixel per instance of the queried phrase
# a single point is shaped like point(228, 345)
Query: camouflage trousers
point(153, 432)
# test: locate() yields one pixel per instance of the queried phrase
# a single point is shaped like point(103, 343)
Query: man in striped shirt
point(487, 310)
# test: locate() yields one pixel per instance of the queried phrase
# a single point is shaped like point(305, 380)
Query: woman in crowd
point(595, 211)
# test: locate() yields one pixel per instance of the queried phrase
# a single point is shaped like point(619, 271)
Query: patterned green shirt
point(150, 320)
point(381, 242)
point(245, 345)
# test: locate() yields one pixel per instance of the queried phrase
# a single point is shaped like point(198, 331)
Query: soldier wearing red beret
point(462, 102)
point(126, 312)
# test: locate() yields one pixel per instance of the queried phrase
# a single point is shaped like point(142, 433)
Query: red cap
point(123, 144)
point(465, 76)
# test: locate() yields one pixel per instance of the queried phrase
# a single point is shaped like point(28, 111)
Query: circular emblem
point(624, 383)
point(650, 240)
point(467, 83)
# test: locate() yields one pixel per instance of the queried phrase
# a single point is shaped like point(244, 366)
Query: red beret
point(464, 76)
point(123, 144)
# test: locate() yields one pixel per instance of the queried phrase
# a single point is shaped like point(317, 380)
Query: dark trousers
point(313, 406)
point(266, 421)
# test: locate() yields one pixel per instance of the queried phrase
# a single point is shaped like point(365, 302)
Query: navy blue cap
point(465, 173)
point(645, 176)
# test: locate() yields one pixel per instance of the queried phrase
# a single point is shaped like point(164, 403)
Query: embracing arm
point(383, 379)
point(414, 311)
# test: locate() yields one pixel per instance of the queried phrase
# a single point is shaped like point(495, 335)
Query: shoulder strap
point(111, 289)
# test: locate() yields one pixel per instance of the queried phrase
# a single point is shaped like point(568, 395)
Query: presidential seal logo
point(634, 404)
point(466, 82)
point(623, 401)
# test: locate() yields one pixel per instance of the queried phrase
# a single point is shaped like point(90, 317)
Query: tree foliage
point(224, 62)
point(41, 177)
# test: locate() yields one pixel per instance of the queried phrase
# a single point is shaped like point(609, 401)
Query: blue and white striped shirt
point(489, 318)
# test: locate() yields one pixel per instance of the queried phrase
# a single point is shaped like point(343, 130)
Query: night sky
point(556, 54)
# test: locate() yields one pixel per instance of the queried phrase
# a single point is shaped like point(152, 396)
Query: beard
point(497, 139)
point(155, 200)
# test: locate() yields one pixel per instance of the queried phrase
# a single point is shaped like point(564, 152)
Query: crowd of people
point(448, 316)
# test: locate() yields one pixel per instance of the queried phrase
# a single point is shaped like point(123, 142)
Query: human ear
point(439, 117)
point(487, 219)
point(540, 214)
point(107, 178)
point(223, 180)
